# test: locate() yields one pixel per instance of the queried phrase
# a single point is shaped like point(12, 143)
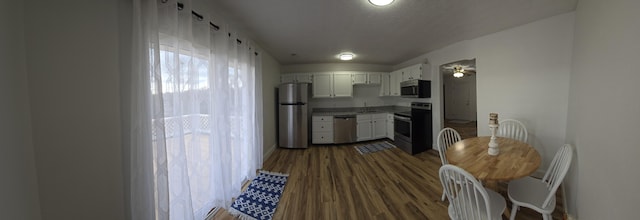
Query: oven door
point(402, 127)
point(402, 133)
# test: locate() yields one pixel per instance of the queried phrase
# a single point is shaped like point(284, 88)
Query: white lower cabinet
point(390, 128)
point(364, 127)
point(371, 126)
point(379, 123)
point(322, 130)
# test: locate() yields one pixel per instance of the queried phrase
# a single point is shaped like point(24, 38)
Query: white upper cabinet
point(418, 71)
point(395, 78)
point(384, 84)
point(329, 85)
point(322, 85)
point(296, 77)
point(375, 78)
point(366, 78)
point(342, 86)
point(359, 78)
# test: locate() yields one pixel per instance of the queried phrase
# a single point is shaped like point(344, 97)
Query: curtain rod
point(200, 18)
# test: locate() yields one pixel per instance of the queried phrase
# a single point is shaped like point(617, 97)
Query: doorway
point(459, 97)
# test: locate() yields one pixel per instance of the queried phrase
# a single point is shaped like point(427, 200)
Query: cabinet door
point(364, 130)
point(405, 74)
point(394, 83)
point(384, 84)
point(415, 71)
point(342, 86)
point(374, 78)
point(322, 85)
point(359, 78)
point(379, 128)
point(285, 78)
point(303, 78)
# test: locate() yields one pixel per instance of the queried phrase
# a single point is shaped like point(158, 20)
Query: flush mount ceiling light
point(380, 2)
point(346, 56)
point(458, 72)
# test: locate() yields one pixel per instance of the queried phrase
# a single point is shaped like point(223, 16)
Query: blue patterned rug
point(375, 147)
point(261, 198)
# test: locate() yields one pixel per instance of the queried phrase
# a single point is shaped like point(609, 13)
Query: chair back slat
point(468, 198)
point(557, 170)
point(446, 138)
point(514, 129)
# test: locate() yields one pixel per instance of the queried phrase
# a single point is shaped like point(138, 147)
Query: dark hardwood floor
point(336, 182)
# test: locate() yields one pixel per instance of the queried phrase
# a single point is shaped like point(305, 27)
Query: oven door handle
point(405, 119)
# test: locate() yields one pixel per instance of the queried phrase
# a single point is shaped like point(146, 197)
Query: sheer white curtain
point(195, 112)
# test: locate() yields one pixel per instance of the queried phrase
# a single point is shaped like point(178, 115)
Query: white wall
point(18, 184)
point(270, 82)
point(72, 57)
point(603, 111)
point(522, 73)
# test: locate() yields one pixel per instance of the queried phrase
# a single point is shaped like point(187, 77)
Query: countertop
point(358, 110)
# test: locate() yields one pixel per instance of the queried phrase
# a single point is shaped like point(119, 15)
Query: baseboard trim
point(268, 152)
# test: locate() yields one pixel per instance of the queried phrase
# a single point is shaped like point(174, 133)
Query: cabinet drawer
point(322, 118)
point(379, 116)
point(363, 118)
point(322, 137)
point(322, 126)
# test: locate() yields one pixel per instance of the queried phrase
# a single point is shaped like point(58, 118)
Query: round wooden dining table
point(515, 160)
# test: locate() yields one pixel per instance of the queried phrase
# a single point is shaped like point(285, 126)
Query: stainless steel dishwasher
point(344, 129)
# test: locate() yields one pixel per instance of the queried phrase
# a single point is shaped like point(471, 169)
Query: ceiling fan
point(459, 70)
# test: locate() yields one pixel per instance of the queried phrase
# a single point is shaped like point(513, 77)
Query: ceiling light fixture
point(346, 56)
point(458, 72)
point(380, 2)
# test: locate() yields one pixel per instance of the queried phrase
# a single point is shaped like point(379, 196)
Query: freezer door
point(293, 129)
point(293, 93)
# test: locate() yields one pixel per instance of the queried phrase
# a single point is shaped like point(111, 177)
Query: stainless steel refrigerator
point(292, 122)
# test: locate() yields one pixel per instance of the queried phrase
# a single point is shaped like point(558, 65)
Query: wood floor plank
point(336, 182)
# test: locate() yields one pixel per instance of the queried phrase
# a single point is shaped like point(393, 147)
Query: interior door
point(460, 98)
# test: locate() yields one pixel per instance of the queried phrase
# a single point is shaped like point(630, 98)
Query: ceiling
point(316, 31)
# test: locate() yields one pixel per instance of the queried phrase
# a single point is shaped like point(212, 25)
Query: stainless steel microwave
point(415, 88)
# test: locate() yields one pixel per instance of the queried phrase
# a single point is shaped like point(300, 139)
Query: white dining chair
point(540, 194)
point(514, 129)
point(446, 138)
point(468, 199)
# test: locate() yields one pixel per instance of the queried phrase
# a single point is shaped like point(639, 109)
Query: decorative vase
point(493, 144)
